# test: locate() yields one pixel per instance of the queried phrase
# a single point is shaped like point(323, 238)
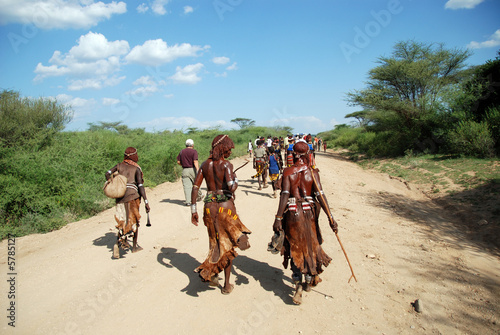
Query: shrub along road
point(401, 245)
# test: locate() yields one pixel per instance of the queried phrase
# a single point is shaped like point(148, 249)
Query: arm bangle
point(193, 208)
point(196, 186)
point(146, 201)
point(279, 218)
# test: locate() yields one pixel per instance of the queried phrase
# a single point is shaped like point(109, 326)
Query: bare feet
point(243, 242)
point(297, 298)
point(137, 249)
point(214, 281)
point(227, 289)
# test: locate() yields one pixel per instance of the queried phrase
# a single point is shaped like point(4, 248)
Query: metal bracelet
point(230, 183)
point(193, 208)
point(146, 201)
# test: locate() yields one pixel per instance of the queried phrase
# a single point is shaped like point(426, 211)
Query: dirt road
point(399, 244)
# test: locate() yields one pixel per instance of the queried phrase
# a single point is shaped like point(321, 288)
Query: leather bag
point(116, 186)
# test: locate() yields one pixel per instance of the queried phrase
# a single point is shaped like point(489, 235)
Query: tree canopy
point(30, 120)
point(404, 93)
point(243, 122)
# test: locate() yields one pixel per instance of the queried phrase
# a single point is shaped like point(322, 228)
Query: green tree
point(243, 122)
point(477, 99)
point(361, 117)
point(29, 120)
point(404, 94)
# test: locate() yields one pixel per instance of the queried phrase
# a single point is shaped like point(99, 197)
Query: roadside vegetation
point(50, 177)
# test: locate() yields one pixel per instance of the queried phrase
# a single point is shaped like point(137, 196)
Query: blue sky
point(175, 64)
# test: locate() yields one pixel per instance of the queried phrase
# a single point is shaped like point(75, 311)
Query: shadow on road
point(270, 278)
point(171, 258)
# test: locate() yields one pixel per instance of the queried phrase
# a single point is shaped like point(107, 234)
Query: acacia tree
point(404, 93)
point(29, 120)
point(243, 122)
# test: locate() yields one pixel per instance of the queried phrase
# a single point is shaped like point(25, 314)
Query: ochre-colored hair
point(220, 145)
point(300, 149)
point(131, 153)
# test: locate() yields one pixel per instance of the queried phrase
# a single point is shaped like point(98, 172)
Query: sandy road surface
point(397, 240)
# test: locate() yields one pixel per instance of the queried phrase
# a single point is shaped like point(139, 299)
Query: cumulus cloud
point(147, 86)
point(142, 8)
point(158, 7)
point(188, 9)
point(81, 107)
point(110, 101)
point(492, 42)
point(232, 67)
point(462, 4)
point(220, 60)
point(95, 46)
point(157, 52)
point(92, 63)
point(58, 14)
point(187, 74)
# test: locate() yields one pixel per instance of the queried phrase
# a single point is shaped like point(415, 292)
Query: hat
point(189, 143)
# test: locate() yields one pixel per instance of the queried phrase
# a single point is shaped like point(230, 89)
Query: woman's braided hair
point(220, 145)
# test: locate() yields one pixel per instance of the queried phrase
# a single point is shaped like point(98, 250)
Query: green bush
point(471, 138)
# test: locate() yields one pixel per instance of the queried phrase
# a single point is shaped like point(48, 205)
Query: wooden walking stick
point(336, 234)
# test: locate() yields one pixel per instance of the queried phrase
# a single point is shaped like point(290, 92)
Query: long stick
point(336, 234)
point(240, 166)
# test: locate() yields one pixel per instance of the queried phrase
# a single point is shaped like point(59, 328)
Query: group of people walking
point(297, 236)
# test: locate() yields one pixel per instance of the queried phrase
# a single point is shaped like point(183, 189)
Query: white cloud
point(144, 91)
point(188, 9)
point(157, 52)
point(142, 8)
point(145, 81)
point(58, 14)
point(169, 96)
point(110, 101)
point(94, 83)
point(220, 60)
point(92, 63)
point(232, 67)
point(81, 107)
point(461, 4)
point(147, 86)
point(95, 46)
point(158, 7)
point(187, 74)
point(300, 124)
point(494, 41)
